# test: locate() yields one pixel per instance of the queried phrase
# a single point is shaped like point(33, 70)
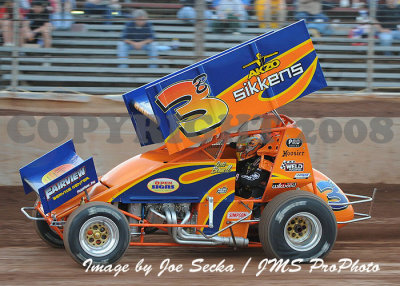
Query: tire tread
point(273, 206)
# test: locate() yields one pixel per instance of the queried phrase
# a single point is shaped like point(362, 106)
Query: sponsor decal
point(85, 187)
point(221, 167)
point(294, 142)
point(222, 190)
point(284, 185)
point(257, 82)
point(74, 186)
point(163, 185)
point(252, 177)
point(56, 172)
point(292, 166)
point(334, 194)
point(263, 66)
point(287, 153)
point(64, 183)
point(302, 175)
point(237, 215)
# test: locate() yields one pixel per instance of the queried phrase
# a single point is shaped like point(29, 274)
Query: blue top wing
point(227, 89)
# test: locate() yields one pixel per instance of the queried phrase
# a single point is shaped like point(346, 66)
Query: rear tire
point(297, 224)
point(45, 232)
point(97, 231)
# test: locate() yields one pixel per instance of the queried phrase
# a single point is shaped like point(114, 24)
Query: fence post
point(14, 53)
point(371, 46)
point(199, 38)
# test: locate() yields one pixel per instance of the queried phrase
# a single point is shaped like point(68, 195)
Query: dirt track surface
point(26, 260)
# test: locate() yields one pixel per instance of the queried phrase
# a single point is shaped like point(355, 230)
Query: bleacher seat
point(84, 60)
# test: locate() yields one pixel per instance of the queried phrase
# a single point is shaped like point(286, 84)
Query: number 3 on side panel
point(200, 113)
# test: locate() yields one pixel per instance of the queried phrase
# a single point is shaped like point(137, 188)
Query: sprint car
point(187, 187)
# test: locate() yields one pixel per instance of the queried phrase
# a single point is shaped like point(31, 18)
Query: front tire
point(97, 231)
point(45, 232)
point(297, 224)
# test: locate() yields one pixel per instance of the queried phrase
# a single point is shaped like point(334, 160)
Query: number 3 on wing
point(199, 113)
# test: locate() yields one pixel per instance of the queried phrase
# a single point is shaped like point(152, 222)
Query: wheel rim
point(303, 231)
point(99, 236)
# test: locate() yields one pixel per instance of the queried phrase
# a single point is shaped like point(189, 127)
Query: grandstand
point(83, 59)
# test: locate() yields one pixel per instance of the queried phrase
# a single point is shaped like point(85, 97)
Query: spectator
point(388, 16)
point(38, 24)
point(138, 34)
point(311, 12)
point(245, 4)
point(62, 18)
point(188, 13)
point(361, 31)
point(103, 8)
point(24, 4)
point(6, 16)
point(357, 4)
point(270, 13)
point(229, 13)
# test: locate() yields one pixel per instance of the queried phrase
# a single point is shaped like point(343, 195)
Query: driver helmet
point(247, 146)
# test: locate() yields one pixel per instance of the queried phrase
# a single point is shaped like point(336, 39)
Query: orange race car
point(211, 183)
